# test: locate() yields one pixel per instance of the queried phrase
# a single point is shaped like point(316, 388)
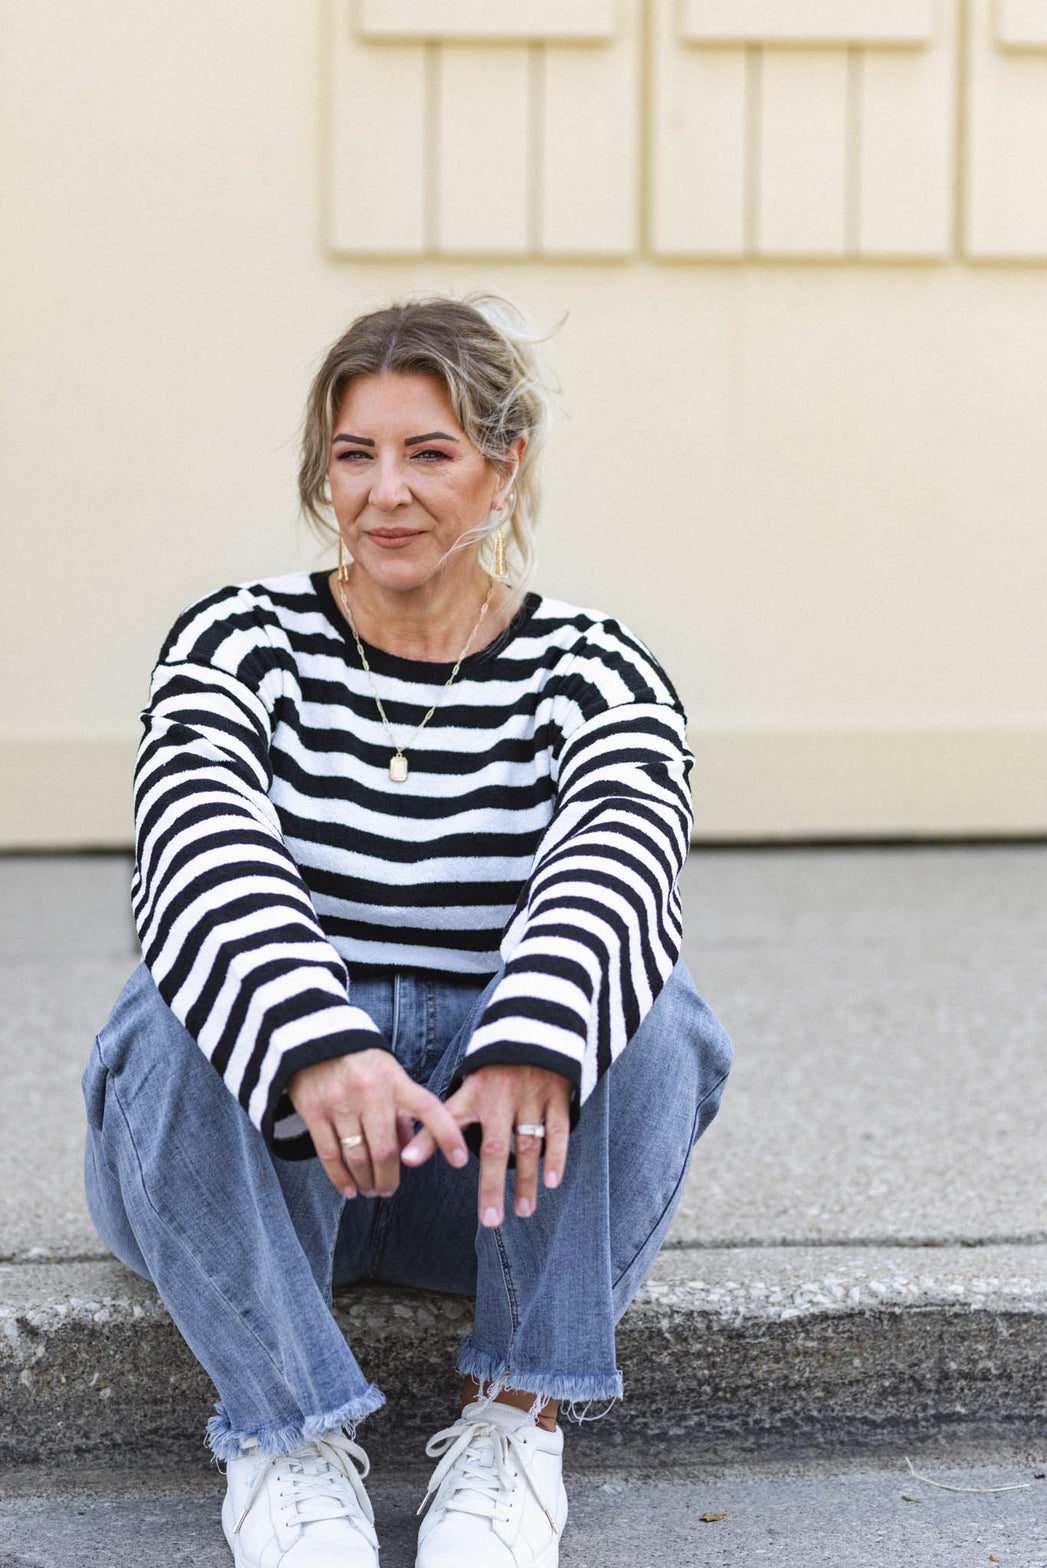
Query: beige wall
point(804, 387)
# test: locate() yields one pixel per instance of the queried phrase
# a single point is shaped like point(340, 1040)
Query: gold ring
point(353, 1141)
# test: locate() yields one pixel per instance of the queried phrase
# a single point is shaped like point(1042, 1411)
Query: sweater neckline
point(430, 670)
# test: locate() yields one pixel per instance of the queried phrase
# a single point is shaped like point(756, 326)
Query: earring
point(499, 555)
point(343, 564)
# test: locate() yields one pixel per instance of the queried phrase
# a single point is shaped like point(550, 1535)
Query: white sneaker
point(497, 1494)
point(302, 1510)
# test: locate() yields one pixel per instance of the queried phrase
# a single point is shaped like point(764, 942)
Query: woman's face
point(406, 481)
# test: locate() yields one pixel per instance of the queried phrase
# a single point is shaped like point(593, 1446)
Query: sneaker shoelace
point(314, 1477)
point(488, 1460)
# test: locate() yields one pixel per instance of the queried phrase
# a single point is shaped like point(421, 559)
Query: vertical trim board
point(908, 188)
point(374, 152)
point(591, 139)
point(697, 151)
point(482, 179)
point(1006, 184)
point(803, 154)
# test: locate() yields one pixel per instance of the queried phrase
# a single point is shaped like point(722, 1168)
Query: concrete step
point(724, 1349)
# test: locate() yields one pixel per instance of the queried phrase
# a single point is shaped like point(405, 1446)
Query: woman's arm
point(598, 930)
point(227, 926)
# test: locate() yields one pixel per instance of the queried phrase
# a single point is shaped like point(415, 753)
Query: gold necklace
point(398, 762)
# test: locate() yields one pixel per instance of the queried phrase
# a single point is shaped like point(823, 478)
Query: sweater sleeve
point(598, 927)
point(226, 923)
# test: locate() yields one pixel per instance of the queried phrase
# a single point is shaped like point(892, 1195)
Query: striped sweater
point(540, 833)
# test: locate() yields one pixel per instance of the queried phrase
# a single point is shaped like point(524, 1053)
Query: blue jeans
point(244, 1247)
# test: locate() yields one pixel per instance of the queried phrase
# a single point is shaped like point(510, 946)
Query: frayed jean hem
point(574, 1389)
point(276, 1441)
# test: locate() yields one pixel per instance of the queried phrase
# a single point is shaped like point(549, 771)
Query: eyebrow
point(433, 435)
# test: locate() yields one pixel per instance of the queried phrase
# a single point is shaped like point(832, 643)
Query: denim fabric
point(243, 1247)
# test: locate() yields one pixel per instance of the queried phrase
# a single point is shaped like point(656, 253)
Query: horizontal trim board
point(486, 21)
point(978, 781)
point(64, 792)
point(936, 781)
point(1021, 24)
point(843, 23)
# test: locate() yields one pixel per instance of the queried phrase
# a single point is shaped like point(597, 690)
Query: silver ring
point(353, 1141)
point(530, 1130)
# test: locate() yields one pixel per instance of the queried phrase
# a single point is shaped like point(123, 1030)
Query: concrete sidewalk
point(861, 1255)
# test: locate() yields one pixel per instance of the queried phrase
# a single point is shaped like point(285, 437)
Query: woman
point(408, 842)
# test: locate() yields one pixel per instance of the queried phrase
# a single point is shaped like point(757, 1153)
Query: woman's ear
point(516, 452)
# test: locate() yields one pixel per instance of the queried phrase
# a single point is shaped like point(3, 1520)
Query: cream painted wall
point(816, 490)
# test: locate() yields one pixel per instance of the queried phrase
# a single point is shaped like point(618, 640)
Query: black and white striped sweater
point(542, 826)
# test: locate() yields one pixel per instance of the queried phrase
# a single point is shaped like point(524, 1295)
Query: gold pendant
point(398, 768)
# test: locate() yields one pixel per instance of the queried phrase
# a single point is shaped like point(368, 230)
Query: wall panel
point(482, 162)
point(1021, 24)
point(907, 191)
point(589, 144)
point(505, 130)
point(697, 190)
point(803, 153)
point(1006, 209)
point(373, 152)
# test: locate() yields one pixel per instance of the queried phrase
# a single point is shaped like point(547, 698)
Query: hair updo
point(483, 351)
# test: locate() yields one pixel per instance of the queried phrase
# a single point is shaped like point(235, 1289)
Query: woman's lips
point(394, 541)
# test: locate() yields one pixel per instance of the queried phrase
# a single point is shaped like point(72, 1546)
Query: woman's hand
point(368, 1095)
point(499, 1099)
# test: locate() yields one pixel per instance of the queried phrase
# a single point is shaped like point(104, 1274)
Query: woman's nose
point(389, 486)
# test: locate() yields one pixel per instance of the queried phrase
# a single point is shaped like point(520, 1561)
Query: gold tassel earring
point(499, 538)
point(343, 564)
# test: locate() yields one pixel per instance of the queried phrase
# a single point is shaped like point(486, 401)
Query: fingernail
point(460, 1157)
point(348, 1192)
point(410, 1156)
point(524, 1207)
point(491, 1216)
point(552, 1178)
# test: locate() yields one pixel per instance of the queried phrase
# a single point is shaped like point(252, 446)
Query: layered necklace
point(398, 762)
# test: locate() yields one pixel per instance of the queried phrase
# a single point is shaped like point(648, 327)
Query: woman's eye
point(348, 455)
point(431, 452)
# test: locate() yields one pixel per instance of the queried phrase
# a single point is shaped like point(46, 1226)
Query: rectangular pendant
point(398, 769)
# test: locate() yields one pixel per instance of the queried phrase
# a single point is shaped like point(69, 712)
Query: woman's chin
point(408, 570)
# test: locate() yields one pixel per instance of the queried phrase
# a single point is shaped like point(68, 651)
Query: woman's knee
point(681, 1052)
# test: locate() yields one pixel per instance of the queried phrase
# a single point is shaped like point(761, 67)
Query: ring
point(353, 1141)
point(530, 1130)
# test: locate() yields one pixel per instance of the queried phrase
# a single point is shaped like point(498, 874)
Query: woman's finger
point(419, 1148)
point(356, 1157)
point(557, 1133)
point(496, 1127)
point(439, 1130)
point(331, 1156)
point(528, 1148)
point(383, 1149)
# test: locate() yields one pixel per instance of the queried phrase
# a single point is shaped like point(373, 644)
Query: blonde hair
point(484, 352)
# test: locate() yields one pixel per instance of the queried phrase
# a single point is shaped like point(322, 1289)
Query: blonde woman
point(411, 1007)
